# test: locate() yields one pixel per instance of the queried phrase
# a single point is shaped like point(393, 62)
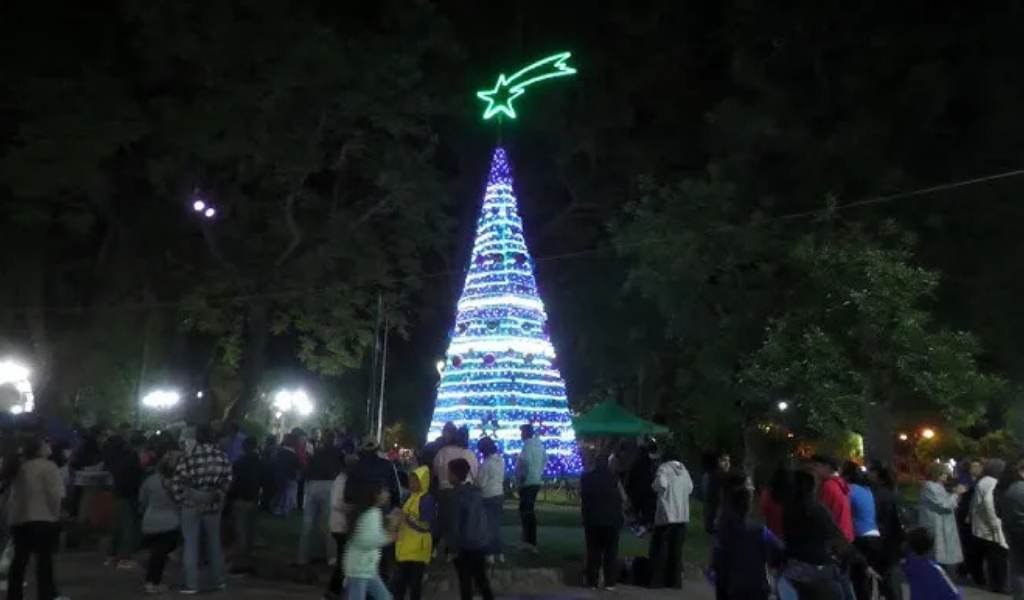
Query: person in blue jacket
point(928, 581)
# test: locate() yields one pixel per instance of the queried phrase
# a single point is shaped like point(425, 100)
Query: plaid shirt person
point(202, 479)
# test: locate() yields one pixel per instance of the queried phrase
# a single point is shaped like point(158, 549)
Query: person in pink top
point(834, 493)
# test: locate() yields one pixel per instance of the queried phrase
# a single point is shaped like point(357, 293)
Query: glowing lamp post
point(928, 433)
point(16, 374)
point(783, 406)
point(292, 402)
point(161, 399)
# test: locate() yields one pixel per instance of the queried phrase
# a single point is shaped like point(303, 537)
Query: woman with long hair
point(813, 540)
point(367, 536)
point(34, 515)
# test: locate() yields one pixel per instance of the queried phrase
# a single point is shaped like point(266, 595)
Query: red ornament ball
point(456, 361)
point(489, 359)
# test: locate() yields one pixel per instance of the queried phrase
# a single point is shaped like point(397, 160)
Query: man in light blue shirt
point(529, 473)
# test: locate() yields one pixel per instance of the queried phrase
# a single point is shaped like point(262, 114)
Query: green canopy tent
point(609, 418)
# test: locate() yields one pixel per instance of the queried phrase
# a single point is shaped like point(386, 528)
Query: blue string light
point(500, 369)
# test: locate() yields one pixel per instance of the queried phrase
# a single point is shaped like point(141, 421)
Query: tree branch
point(293, 226)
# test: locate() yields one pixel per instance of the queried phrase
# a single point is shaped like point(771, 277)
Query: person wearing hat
point(372, 467)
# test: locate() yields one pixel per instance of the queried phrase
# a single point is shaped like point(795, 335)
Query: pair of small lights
point(200, 206)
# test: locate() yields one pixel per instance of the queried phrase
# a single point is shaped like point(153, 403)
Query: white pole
point(383, 374)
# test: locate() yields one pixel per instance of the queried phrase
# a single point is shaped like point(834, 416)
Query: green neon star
point(506, 89)
point(499, 100)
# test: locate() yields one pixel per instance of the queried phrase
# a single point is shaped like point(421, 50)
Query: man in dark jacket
point(324, 466)
point(373, 467)
point(247, 478)
point(468, 532)
point(601, 505)
point(126, 468)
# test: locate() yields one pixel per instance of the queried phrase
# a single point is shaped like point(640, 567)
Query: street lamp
point(203, 207)
point(16, 374)
point(928, 433)
point(161, 399)
point(904, 437)
point(783, 405)
point(293, 401)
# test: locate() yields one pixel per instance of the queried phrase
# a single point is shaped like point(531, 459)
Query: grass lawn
point(560, 536)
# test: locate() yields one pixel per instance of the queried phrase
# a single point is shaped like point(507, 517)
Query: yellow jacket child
point(414, 543)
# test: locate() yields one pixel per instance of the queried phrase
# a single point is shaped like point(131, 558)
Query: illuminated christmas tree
point(500, 369)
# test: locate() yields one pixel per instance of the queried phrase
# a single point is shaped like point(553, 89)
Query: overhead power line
point(874, 200)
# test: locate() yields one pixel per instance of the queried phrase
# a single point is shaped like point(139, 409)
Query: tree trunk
point(257, 330)
point(751, 448)
point(880, 434)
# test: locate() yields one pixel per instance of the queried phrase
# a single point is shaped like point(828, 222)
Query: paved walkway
point(82, 576)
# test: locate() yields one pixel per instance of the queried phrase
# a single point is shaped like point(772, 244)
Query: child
point(367, 537)
point(414, 544)
point(468, 531)
point(161, 523)
point(926, 578)
point(743, 551)
point(601, 505)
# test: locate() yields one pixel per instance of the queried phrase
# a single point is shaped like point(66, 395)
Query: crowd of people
point(386, 519)
point(823, 530)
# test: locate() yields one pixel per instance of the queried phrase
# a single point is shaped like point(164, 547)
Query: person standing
point(363, 549)
point(414, 545)
point(773, 495)
point(712, 486)
point(987, 528)
point(601, 507)
point(936, 513)
point(338, 525)
point(743, 551)
point(811, 538)
point(642, 499)
point(530, 474)
point(890, 525)
point(673, 486)
point(972, 566)
point(246, 480)
point(468, 532)
point(324, 466)
point(235, 441)
point(372, 466)
point(126, 469)
point(491, 481)
point(1010, 502)
point(161, 521)
point(200, 486)
point(287, 469)
point(867, 537)
point(36, 492)
point(268, 470)
point(834, 493)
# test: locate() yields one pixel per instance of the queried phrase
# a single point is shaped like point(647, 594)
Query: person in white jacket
point(337, 522)
point(673, 485)
point(987, 528)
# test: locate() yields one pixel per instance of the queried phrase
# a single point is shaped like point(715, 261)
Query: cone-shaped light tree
point(500, 370)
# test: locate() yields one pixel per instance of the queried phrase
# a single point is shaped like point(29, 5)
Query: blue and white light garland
point(500, 369)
